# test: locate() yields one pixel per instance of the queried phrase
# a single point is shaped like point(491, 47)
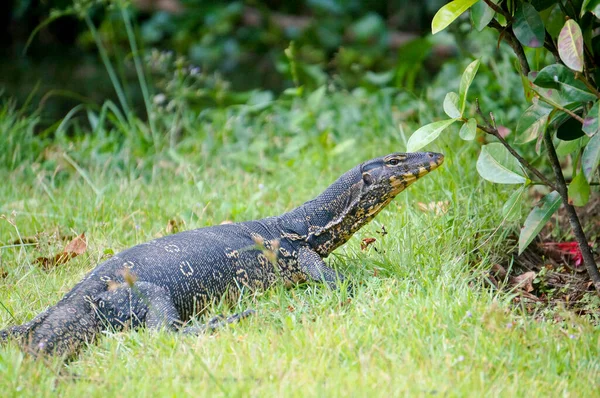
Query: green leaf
point(468, 131)
point(591, 5)
point(426, 134)
point(561, 78)
point(497, 165)
point(579, 190)
point(555, 21)
point(451, 105)
point(465, 82)
point(532, 123)
point(557, 117)
point(315, 98)
point(591, 123)
point(448, 13)
point(570, 45)
point(565, 148)
point(527, 90)
point(538, 217)
point(528, 26)
point(482, 14)
point(380, 79)
point(512, 207)
point(591, 157)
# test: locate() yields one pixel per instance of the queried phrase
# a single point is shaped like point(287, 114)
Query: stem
point(586, 252)
point(587, 83)
point(494, 131)
point(560, 108)
point(141, 76)
point(499, 10)
point(109, 68)
point(512, 41)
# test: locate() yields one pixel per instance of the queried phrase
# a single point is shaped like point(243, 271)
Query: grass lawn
point(421, 322)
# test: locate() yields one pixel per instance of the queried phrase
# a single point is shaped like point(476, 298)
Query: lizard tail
point(65, 329)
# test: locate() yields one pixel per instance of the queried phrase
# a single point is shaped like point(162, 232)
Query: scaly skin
point(164, 282)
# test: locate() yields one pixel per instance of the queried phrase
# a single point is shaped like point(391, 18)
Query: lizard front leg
point(313, 265)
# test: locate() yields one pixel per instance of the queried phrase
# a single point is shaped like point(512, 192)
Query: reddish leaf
point(565, 250)
point(570, 45)
point(77, 246)
point(366, 242)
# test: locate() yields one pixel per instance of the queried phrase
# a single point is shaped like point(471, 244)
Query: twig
point(499, 10)
point(586, 252)
point(508, 36)
point(559, 107)
point(494, 131)
point(587, 83)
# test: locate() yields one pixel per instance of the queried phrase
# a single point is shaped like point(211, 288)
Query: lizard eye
point(394, 162)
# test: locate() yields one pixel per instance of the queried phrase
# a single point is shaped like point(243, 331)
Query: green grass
point(421, 322)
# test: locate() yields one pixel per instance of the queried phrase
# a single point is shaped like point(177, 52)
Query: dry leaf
point(366, 242)
point(74, 248)
point(26, 240)
point(524, 281)
point(438, 208)
point(77, 246)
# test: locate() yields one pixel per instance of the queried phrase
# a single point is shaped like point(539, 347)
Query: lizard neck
point(329, 220)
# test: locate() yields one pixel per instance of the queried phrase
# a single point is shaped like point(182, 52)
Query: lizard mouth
point(404, 180)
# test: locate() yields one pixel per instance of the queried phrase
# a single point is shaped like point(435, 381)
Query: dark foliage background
point(353, 42)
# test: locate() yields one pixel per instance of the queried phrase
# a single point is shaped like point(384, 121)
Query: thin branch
point(559, 107)
point(587, 83)
point(508, 36)
point(584, 248)
point(494, 131)
point(499, 10)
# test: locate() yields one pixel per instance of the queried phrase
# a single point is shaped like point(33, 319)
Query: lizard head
point(385, 177)
point(358, 195)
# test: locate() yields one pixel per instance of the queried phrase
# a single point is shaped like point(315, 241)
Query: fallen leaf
point(438, 208)
point(26, 240)
point(74, 248)
point(366, 242)
point(524, 281)
point(77, 246)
